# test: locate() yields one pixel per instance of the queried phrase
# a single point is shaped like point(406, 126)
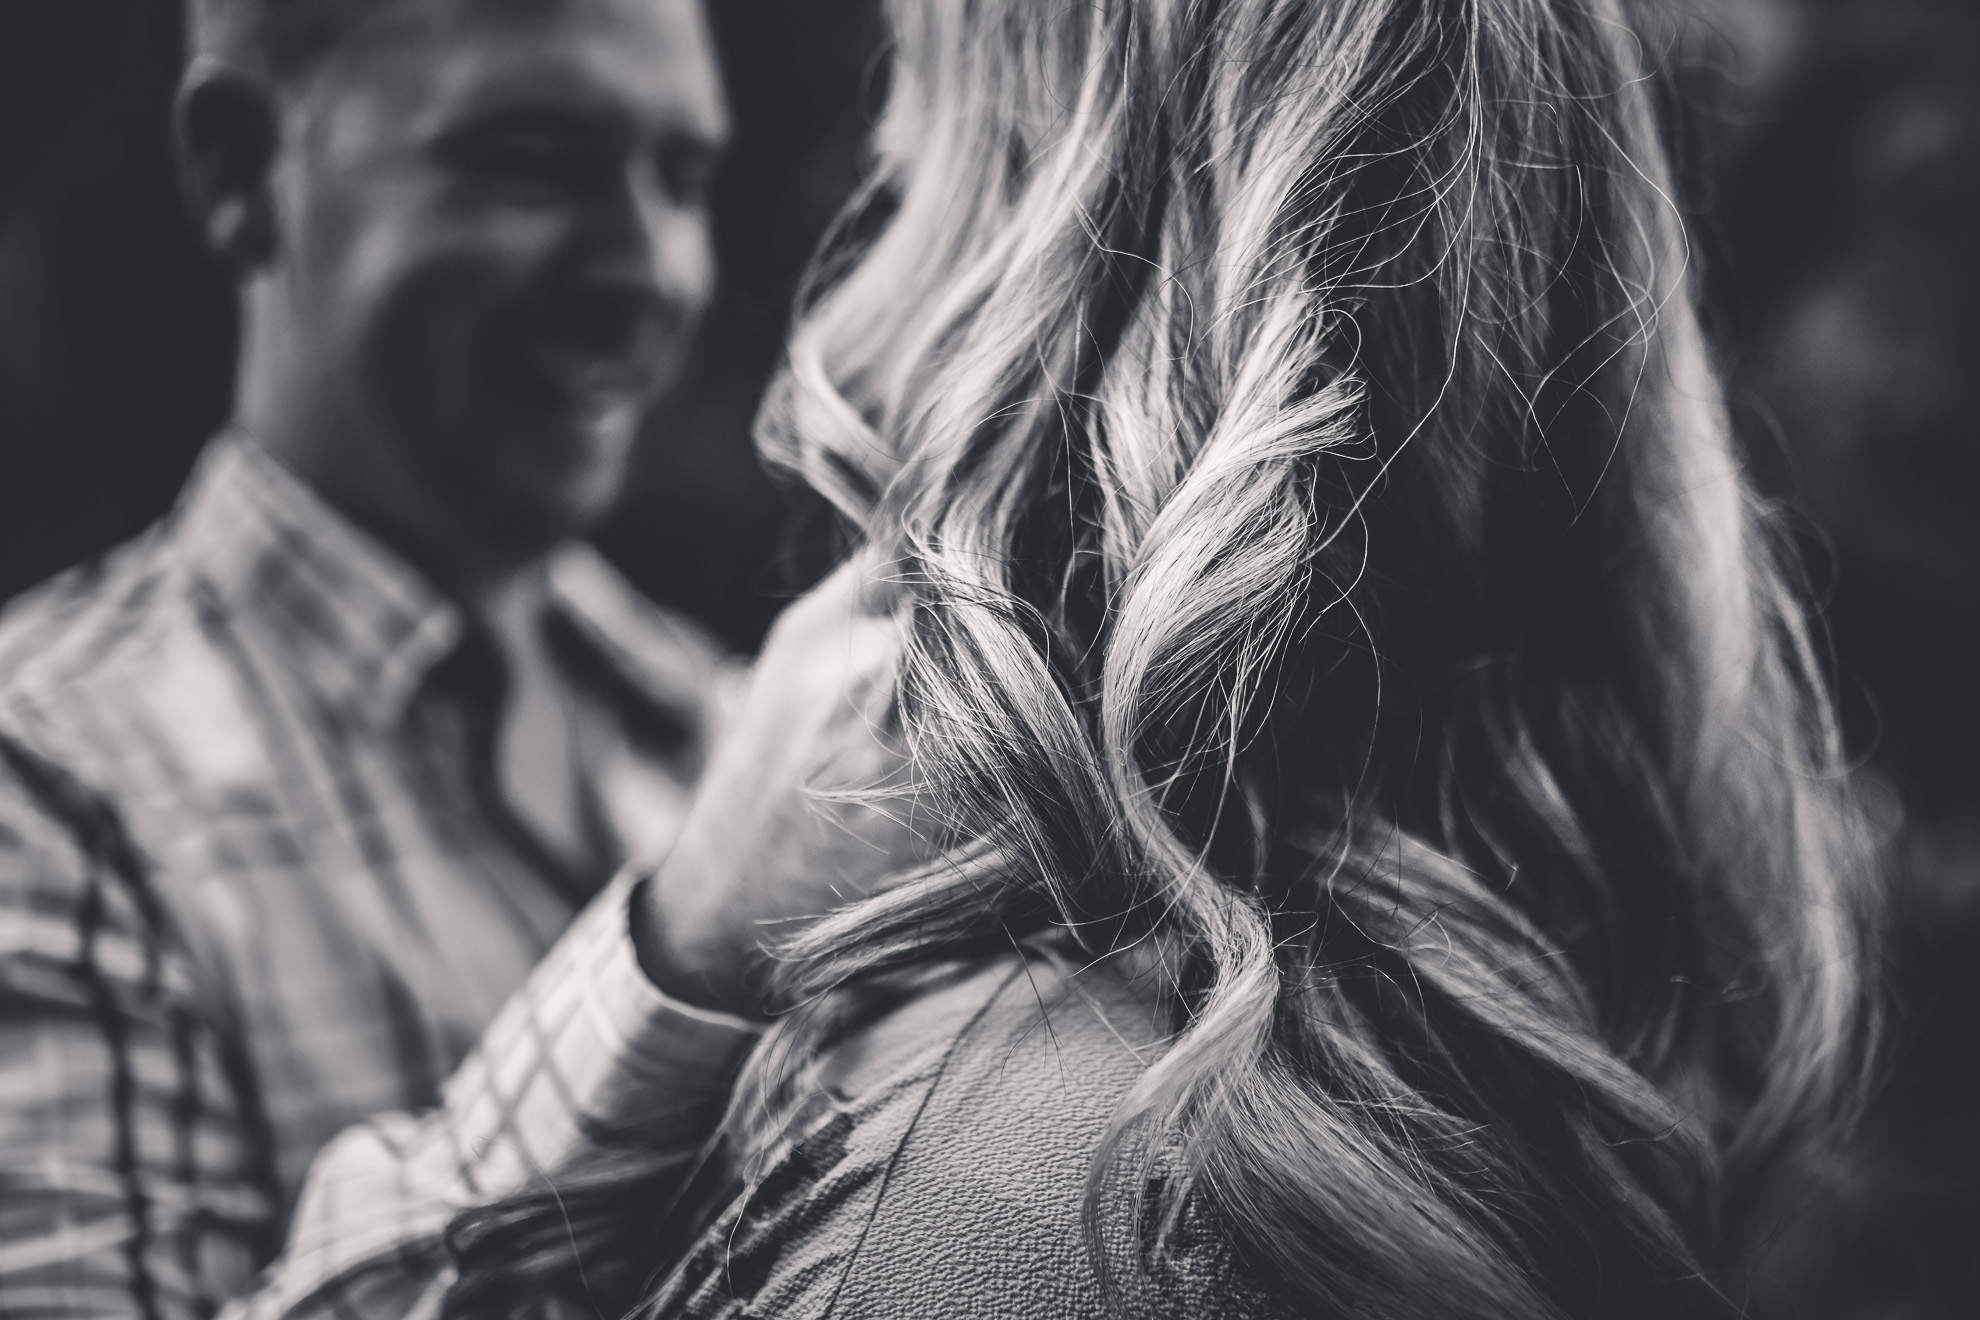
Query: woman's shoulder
point(951, 1178)
point(1024, 1039)
point(983, 1213)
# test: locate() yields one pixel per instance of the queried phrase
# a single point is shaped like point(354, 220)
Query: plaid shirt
point(256, 885)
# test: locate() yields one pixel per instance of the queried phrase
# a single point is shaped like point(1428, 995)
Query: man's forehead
point(295, 35)
point(463, 19)
point(467, 51)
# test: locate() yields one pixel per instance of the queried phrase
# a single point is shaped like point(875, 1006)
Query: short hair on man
point(282, 39)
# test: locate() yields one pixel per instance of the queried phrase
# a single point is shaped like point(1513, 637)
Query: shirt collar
point(662, 660)
point(364, 627)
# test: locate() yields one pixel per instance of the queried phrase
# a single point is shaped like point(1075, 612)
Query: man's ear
point(228, 127)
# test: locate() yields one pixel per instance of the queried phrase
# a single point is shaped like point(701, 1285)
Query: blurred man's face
point(494, 215)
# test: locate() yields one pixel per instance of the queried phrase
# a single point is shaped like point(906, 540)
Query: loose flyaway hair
point(1331, 577)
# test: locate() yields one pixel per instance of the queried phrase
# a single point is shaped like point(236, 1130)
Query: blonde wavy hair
point(1330, 569)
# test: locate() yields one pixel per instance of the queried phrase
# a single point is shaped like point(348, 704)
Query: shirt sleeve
point(587, 1052)
point(134, 1175)
point(133, 1179)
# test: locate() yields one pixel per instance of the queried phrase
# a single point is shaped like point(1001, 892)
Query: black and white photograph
point(989, 659)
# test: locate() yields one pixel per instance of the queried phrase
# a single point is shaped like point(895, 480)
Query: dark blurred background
point(1830, 153)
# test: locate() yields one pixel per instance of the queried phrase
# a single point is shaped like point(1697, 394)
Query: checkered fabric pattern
point(256, 886)
point(587, 1048)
